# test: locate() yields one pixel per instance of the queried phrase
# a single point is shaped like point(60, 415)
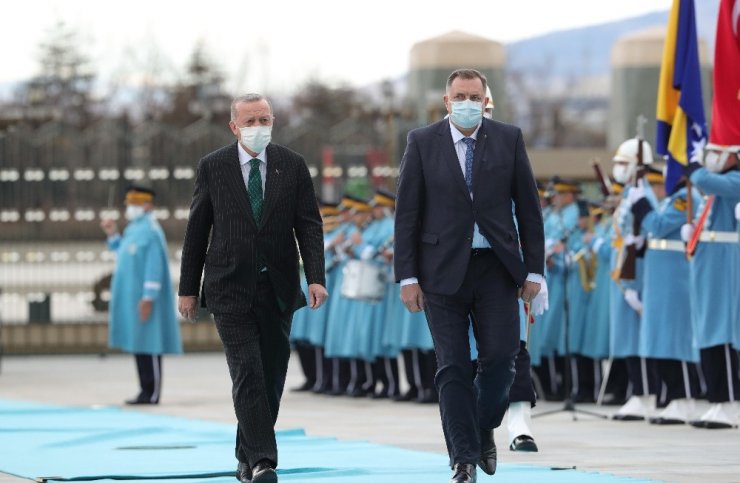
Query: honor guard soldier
point(307, 330)
point(715, 280)
point(142, 307)
point(625, 304)
point(666, 335)
point(343, 325)
point(560, 223)
point(380, 360)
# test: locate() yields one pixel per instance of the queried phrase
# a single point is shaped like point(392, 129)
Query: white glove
point(687, 231)
point(636, 194)
point(737, 211)
point(367, 253)
point(633, 300)
point(638, 241)
point(541, 301)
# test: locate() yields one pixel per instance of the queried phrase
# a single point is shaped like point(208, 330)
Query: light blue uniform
point(550, 330)
point(371, 316)
point(715, 280)
point(665, 328)
point(624, 321)
point(578, 295)
point(142, 270)
point(596, 329)
point(343, 324)
point(310, 325)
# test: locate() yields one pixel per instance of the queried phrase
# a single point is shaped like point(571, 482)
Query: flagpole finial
point(641, 121)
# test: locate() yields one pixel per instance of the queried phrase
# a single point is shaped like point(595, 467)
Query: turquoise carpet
point(54, 443)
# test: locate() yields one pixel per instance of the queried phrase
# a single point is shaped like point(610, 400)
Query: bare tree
point(63, 88)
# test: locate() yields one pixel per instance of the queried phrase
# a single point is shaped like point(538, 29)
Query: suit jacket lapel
point(235, 182)
point(449, 154)
point(272, 184)
point(479, 158)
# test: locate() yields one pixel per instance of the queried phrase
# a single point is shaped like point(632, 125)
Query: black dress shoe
point(665, 421)
point(487, 452)
point(358, 392)
point(306, 386)
point(523, 443)
point(141, 399)
point(627, 417)
point(409, 395)
point(463, 474)
point(428, 396)
point(243, 473)
point(264, 472)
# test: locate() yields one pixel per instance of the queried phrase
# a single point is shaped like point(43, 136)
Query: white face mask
point(621, 173)
point(256, 138)
point(134, 212)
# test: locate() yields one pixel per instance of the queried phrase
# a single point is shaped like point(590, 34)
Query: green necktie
point(254, 186)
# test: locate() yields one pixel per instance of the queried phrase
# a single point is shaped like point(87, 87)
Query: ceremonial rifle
point(605, 184)
point(629, 270)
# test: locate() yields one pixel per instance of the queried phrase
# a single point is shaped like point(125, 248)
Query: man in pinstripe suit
point(255, 200)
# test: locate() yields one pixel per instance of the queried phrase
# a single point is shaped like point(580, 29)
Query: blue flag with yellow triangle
point(682, 128)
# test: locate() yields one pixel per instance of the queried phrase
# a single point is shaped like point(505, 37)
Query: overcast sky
point(274, 45)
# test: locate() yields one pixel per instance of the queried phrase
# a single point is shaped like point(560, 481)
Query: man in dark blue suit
point(458, 252)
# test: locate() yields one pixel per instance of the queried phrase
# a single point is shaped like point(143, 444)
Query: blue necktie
point(469, 152)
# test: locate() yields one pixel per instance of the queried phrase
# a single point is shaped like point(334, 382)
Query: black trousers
point(257, 352)
point(466, 407)
point(522, 389)
point(720, 367)
point(680, 379)
point(149, 368)
point(643, 375)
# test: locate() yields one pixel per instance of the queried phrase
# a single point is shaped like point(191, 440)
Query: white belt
point(720, 236)
point(670, 245)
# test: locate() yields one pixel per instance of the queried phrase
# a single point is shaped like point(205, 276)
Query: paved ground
point(197, 386)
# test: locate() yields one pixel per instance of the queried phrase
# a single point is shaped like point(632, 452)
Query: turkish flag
point(726, 101)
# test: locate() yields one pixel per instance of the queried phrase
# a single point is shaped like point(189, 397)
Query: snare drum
point(363, 280)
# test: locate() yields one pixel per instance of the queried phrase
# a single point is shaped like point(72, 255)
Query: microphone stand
point(568, 404)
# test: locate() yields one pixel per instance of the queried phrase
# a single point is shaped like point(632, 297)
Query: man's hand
point(317, 295)
point(188, 306)
point(145, 310)
point(412, 297)
point(109, 227)
point(529, 291)
point(541, 302)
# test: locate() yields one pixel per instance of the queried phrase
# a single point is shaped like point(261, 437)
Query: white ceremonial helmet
point(488, 111)
point(625, 159)
point(716, 156)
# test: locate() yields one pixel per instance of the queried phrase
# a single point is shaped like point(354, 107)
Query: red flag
point(726, 102)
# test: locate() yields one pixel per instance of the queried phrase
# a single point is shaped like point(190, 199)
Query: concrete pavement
point(197, 386)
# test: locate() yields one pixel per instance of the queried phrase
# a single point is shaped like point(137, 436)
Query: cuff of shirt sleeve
point(536, 278)
point(409, 281)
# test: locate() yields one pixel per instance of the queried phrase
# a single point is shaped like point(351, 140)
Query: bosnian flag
point(682, 129)
point(726, 101)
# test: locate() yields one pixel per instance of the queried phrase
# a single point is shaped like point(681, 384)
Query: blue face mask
point(466, 114)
